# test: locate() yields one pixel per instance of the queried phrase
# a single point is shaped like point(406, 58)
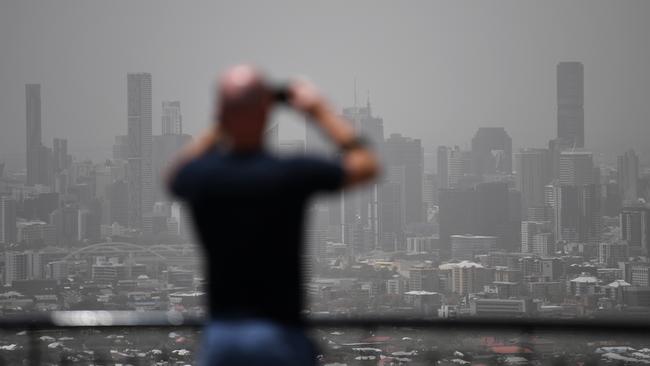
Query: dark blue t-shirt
point(248, 210)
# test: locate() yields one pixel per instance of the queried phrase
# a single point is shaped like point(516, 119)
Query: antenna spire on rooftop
point(368, 100)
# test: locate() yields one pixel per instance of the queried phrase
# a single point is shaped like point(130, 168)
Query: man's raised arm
point(359, 161)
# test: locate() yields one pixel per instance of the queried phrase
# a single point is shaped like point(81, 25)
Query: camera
point(281, 93)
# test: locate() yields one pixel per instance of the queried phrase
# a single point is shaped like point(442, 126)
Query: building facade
point(570, 96)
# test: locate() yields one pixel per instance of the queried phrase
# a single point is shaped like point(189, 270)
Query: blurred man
point(249, 206)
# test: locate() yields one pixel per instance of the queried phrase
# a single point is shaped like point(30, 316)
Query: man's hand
point(360, 163)
point(305, 97)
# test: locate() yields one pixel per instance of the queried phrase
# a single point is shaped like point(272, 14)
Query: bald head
point(241, 85)
point(243, 106)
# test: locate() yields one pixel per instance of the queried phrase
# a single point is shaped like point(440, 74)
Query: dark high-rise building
point(576, 211)
point(66, 222)
point(172, 120)
point(34, 143)
point(555, 148)
point(442, 166)
point(89, 222)
point(7, 220)
point(494, 217)
point(46, 165)
point(60, 157)
point(533, 174)
point(577, 168)
point(628, 176)
point(484, 210)
point(612, 200)
point(570, 96)
point(360, 209)
point(140, 172)
point(405, 155)
point(458, 215)
point(635, 228)
point(40, 207)
point(491, 151)
point(644, 187)
point(429, 193)
point(391, 212)
point(117, 196)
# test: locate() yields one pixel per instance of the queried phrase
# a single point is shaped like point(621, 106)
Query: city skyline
point(501, 228)
point(171, 124)
point(504, 86)
point(475, 163)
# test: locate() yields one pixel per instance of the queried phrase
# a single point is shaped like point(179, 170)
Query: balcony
point(159, 338)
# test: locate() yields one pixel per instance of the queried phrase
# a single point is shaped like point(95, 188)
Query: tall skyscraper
point(34, 142)
point(66, 222)
point(46, 166)
point(392, 212)
point(140, 176)
point(575, 199)
point(406, 154)
point(452, 166)
point(635, 229)
point(628, 176)
point(363, 121)
point(491, 151)
point(117, 195)
point(442, 166)
point(7, 220)
point(576, 168)
point(172, 120)
point(576, 212)
point(570, 96)
point(533, 173)
point(429, 193)
point(60, 157)
point(457, 215)
point(361, 208)
point(494, 217)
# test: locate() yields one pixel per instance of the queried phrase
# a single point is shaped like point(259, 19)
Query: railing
point(171, 320)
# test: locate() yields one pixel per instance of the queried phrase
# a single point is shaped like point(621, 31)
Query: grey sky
point(435, 69)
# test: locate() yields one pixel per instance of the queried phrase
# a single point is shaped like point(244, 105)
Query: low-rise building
point(501, 307)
